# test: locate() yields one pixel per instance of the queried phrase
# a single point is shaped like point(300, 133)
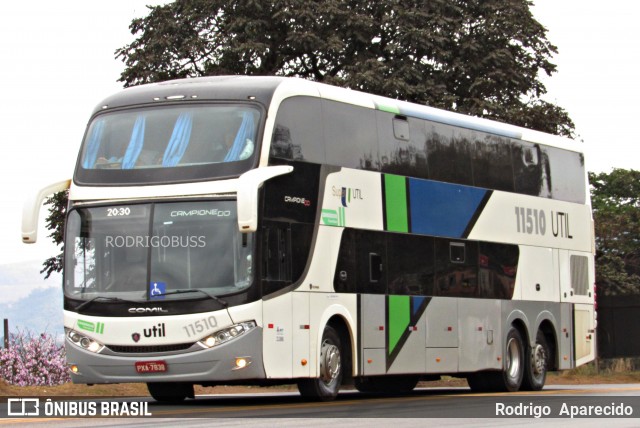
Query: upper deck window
point(169, 144)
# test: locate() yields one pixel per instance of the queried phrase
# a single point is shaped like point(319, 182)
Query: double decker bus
point(267, 230)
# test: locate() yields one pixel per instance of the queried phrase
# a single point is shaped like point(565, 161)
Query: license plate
point(151, 366)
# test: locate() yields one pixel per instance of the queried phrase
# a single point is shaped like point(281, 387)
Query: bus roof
point(265, 89)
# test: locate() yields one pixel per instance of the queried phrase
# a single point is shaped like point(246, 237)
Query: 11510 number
point(531, 221)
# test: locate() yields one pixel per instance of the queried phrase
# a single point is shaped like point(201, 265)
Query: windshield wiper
point(105, 298)
point(194, 290)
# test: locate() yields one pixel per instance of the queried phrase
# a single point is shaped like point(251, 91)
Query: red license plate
point(151, 366)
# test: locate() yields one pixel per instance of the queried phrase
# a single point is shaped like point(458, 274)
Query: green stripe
point(330, 217)
point(399, 318)
point(388, 109)
point(86, 325)
point(395, 190)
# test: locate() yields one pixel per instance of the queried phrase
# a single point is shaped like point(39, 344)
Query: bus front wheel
point(326, 387)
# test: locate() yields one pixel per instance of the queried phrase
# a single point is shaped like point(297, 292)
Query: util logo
point(155, 331)
point(348, 194)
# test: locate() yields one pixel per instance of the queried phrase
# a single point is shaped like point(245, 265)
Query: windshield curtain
point(164, 144)
point(139, 251)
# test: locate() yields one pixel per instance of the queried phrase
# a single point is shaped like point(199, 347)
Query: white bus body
point(337, 236)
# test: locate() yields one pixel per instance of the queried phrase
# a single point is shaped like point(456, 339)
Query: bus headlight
point(84, 342)
point(226, 334)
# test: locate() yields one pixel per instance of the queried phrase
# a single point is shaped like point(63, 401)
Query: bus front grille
point(149, 349)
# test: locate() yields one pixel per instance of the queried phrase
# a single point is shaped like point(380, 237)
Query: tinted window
point(136, 251)
point(298, 131)
point(531, 169)
point(449, 153)
point(497, 266)
point(456, 268)
point(169, 144)
point(424, 265)
point(492, 167)
point(350, 135)
point(401, 156)
point(567, 175)
point(411, 264)
point(324, 131)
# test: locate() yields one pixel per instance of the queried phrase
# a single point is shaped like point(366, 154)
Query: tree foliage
point(480, 57)
point(615, 197)
point(55, 223)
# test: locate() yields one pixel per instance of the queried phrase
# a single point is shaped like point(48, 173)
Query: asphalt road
point(426, 406)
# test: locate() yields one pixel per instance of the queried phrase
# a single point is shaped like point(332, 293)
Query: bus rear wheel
point(326, 387)
point(170, 392)
point(509, 379)
point(537, 361)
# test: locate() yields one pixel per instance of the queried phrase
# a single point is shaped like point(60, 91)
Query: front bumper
point(215, 364)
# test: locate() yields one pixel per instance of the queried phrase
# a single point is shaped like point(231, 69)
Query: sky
point(58, 64)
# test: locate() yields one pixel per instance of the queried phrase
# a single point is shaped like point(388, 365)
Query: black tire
point(388, 385)
point(170, 392)
point(536, 364)
point(509, 379)
point(514, 362)
point(326, 387)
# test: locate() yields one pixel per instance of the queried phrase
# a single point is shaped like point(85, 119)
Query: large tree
point(615, 197)
point(480, 57)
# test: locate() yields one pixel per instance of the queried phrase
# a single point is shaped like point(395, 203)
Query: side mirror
point(248, 185)
point(31, 210)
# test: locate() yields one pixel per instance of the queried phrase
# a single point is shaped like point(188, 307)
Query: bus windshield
point(166, 247)
point(168, 144)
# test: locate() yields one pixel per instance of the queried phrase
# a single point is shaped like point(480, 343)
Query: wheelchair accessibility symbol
point(157, 290)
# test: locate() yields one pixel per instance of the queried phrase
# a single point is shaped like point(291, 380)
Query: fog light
point(74, 369)
point(242, 362)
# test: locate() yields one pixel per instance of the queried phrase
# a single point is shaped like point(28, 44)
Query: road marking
point(382, 400)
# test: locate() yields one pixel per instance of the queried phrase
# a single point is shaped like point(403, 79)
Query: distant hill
point(30, 302)
point(39, 312)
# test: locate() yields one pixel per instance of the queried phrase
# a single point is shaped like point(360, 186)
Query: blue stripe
point(442, 209)
point(416, 303)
